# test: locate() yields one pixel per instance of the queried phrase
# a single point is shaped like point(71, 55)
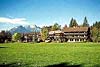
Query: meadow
point(49, 54)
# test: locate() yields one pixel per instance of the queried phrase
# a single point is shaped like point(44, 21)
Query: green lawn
point(44, 54)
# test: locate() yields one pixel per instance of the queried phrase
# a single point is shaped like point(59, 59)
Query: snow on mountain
point(25, 29)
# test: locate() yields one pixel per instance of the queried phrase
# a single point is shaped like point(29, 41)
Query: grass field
point(45, 54)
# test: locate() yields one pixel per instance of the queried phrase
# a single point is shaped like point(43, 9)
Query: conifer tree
point(85, 23)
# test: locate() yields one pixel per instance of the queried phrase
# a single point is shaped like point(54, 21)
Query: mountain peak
point(25, 29)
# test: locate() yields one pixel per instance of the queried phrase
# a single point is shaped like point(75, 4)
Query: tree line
point(95, 28)
point(6, 36)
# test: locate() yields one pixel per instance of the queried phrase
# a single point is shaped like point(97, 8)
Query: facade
point(67, 34)
point(31, 37)
point(76, 34)
point(57, 36)
point(70, 34)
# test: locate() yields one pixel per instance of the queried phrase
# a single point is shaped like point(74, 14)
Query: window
point(71, 39)
point(76, 39)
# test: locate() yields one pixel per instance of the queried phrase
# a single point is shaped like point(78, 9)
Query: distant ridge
point(25, 29)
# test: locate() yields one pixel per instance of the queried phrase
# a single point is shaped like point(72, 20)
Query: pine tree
point(71, 22)
point(74, 23)
point(85, 23)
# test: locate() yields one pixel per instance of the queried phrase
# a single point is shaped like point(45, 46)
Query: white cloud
point(21, 21)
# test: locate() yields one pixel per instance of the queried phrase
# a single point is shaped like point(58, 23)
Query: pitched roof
point(51, 32)
point(57, 31)
point(75, 29)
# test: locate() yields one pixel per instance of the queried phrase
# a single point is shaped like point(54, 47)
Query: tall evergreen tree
point(85, 23)
point(73, 23)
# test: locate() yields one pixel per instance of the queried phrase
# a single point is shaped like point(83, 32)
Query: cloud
point(21, 21)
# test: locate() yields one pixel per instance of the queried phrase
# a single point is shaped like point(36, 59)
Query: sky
point(47, 12)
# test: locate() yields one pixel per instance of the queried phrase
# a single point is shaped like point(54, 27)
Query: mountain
point(25, 29)
point(33, 28)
